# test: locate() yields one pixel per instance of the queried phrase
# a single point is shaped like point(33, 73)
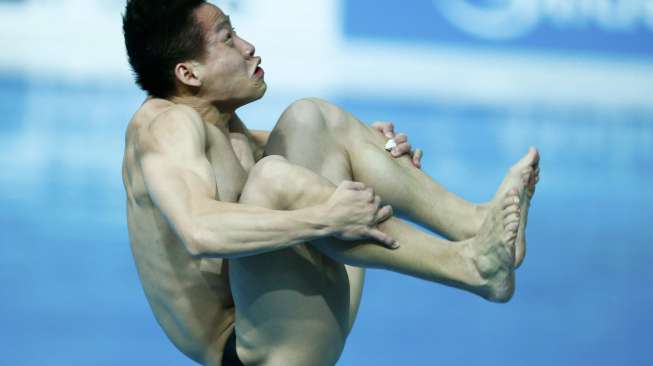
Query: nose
point(248, 48)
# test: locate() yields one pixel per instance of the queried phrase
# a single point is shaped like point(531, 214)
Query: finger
point(384, 214)
point(401, 150)
point(383, 238)
point(417, 158)
point(377, 202)
point(358, 186)
point(401, 138)
point(370, 192)
point(389, 130)
point(386, 128)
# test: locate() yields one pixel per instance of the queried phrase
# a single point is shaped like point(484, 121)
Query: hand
point(403, 147)
point(355, 211)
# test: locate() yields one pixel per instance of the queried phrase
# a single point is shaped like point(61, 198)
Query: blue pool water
point(71, 296)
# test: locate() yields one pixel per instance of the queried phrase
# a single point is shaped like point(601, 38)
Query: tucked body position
point(251, 245)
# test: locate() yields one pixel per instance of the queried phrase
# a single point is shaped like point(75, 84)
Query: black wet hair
point(159, 34)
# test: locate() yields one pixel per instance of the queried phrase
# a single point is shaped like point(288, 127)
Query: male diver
point(251, 245)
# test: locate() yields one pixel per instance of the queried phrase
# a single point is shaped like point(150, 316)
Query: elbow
point(194, 247)
point(200, 244)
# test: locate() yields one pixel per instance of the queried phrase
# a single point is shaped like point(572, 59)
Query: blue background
point(70, 294)
point(421, 21)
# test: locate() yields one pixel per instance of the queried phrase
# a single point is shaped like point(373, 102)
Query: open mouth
point(259, 72)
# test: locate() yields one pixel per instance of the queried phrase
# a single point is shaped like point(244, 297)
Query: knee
point(302, 115)
point(264, 182)
point(311, 114)
point(276, 183)
point(269, 173)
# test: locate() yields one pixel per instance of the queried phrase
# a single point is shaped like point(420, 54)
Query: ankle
point(472, 226)
point(480, 213)
point(474, 278)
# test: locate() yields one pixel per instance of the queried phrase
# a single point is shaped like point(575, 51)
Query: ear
point(189, 73)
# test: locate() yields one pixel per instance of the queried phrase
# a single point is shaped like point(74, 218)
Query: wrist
point(321, 219)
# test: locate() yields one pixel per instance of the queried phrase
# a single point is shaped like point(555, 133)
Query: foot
point(528, 168)
point(495, 248)
point(531, 177)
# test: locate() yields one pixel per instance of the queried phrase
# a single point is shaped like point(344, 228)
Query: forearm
point(251, 230)
point(420, 255)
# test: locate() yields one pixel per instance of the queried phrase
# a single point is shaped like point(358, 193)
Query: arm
point(180, 181)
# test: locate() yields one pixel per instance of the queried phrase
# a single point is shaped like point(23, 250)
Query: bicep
point(176, 172)
point(174, 188)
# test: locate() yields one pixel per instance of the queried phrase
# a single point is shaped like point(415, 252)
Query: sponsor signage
point(623, 27)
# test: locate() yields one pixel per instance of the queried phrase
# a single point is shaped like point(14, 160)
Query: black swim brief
point(230, 357)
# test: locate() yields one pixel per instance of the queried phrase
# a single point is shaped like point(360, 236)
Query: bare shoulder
point(173, 128)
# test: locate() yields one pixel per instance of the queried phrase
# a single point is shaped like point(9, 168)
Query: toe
point(508, 201)
point(509, 238)
point(511, 219)
point(537, 154)
point(532, 157)
point(513, 197)
point(536, 174)
point(510, 213)
point(526, 161)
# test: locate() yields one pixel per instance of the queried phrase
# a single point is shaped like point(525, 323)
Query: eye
point(230, 34)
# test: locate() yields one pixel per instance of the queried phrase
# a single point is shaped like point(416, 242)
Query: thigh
point(356, 277)
point(290, 303)
point(313, 186)
point(304, 137)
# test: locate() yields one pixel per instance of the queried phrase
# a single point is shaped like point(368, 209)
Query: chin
point(262, 91)
point(258, 93)
point(252, 97)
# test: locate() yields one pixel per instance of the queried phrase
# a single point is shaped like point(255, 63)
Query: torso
point(293, 305)
point(191, 298)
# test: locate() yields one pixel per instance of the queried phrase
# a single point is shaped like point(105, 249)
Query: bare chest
point(231, 158)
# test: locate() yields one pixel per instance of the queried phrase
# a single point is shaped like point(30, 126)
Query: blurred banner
point(601, 27)
point(573, 52)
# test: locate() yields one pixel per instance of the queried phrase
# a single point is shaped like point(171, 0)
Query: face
point(229, 73)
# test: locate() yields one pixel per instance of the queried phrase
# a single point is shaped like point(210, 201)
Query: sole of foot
point(495, 247)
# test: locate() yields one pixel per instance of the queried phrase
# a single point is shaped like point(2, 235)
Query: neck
point(209, 112)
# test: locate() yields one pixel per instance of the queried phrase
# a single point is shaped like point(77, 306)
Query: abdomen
point(190, 299)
